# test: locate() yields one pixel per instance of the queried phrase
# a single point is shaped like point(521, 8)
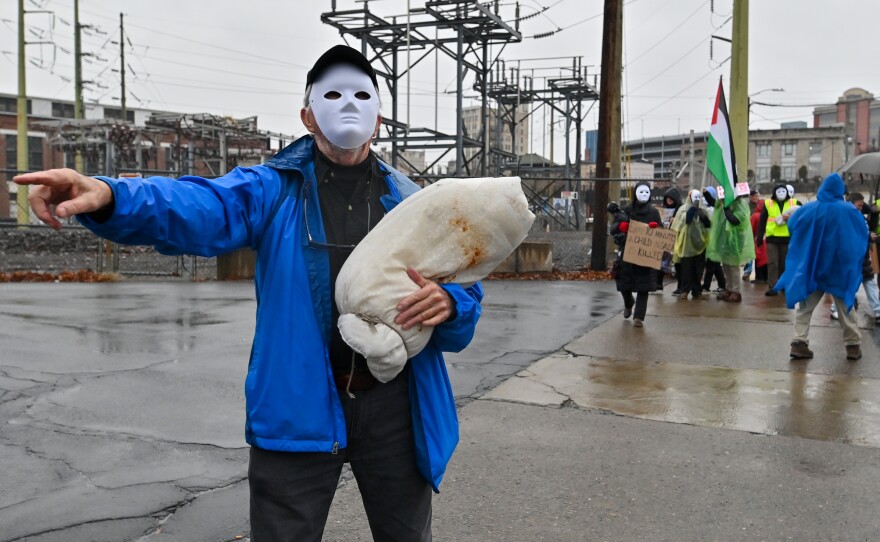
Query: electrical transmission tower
point(463, 30)
point(473, 35)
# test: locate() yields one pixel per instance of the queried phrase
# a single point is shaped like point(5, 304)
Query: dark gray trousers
point(776, 254)
point(291, 492)
point(640, 302)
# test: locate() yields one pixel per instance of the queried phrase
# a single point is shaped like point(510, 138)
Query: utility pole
point(739, 85)
point(122, 66)
point(24, 209)
point(691, 176)
point(608, 144)
point(77, 79)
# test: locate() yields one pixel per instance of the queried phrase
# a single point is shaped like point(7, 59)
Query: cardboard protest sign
point(666, 216)
point(648, 247)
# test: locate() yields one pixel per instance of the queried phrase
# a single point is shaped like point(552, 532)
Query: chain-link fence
point(564, 210)
point(37, 248)
point(40, 249)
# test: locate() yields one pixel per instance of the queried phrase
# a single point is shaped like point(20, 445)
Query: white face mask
point(345, 105)
point(790, 189)
point(695, 196)
point(643, 194)
point(781, 194)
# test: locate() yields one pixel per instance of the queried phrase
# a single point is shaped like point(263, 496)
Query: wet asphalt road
point(122, 407)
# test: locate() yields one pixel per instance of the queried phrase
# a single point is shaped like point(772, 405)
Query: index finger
point(416, 277)
point(49, 177)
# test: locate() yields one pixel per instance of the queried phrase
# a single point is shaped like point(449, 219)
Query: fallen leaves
point(84, 275)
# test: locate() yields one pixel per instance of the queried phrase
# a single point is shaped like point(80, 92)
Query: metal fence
point(564, 210)
point(40, 249)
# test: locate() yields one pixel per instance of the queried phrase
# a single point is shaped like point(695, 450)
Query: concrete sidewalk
point(695, 427)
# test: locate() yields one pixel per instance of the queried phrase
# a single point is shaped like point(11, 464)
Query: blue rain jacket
point(827, 247)
point(292, 403)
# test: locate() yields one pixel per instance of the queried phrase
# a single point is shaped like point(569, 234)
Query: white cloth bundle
point(456, 230)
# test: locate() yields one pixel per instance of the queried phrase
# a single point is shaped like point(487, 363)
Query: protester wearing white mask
point(631, 278)
point(773, 231)
point(303, 211)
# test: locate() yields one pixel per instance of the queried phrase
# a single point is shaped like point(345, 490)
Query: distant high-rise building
point(473, 125)
point(591, 138)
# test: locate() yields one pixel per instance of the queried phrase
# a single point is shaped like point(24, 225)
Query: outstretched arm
point(190, 215)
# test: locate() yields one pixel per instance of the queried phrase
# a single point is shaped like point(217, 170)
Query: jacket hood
point(676, 198)
point(832, 188)
point(779, 186)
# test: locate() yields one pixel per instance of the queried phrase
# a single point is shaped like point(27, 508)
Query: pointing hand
point(67, 191)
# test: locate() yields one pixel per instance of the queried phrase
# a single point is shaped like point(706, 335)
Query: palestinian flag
point(720, 158)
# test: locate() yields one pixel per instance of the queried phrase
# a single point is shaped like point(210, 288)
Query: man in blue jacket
point(311, 402)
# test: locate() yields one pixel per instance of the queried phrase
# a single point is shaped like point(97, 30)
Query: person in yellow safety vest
point(773, 231)
point(876, 209)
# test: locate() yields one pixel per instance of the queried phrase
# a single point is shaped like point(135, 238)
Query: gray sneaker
point(853, 352)
point(639, 323)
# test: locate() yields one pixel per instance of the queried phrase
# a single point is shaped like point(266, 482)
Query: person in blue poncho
point(825, 254)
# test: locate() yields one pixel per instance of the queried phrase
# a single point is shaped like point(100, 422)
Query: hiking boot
point(638, 323)
point(734, 297)
point(800, 350)
point(627, 312)
point(853, 352)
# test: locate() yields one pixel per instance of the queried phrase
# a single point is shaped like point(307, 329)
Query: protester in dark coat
point(633, 278)
point(671, 203)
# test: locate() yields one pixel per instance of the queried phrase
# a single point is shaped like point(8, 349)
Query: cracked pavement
point(122, 407)
point(696, 427)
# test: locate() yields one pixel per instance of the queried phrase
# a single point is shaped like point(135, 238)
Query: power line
point(582, 21)
point(766, 104)
point(674, 96)
point(679, 59)
point(668, 34)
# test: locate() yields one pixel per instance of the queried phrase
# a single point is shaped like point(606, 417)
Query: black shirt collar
point(323, 167)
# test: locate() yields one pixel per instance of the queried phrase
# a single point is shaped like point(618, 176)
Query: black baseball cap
point(341, 54)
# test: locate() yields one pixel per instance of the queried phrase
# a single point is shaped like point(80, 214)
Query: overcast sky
point(244, 58)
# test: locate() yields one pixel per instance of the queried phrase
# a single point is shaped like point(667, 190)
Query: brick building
point(147, 143)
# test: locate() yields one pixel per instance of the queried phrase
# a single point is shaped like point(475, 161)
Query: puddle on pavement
point(838, 408)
